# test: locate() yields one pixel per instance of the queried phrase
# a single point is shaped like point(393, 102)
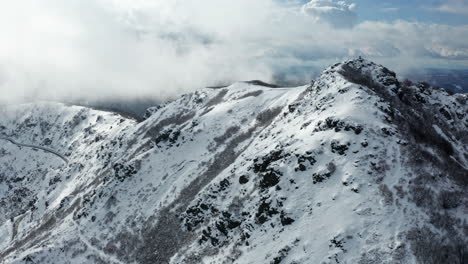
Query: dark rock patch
point(243, 179)
point(337, 147)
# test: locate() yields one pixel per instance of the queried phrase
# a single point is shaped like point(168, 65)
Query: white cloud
point(337, 13)
point(390, 9)
point(161, 48)
point(459, 7)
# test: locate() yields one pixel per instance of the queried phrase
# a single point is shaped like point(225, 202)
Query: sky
point(448, 12)
point(98, 49)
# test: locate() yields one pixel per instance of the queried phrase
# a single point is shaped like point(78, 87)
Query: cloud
point(459, 7)
point(159, 48)
point(337, 13)
point(123, 49)
point(390, 9)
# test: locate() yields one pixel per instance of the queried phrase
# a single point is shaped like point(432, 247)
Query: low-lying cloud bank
point(86, 49)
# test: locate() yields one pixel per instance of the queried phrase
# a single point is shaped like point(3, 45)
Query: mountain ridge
point(353, 168)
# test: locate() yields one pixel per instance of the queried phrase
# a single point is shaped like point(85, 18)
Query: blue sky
point(425, 11)
point(412, 10)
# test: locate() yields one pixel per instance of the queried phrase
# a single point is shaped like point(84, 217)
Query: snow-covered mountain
point(354, 168)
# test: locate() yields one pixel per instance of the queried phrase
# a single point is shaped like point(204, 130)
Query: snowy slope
point(354, 168)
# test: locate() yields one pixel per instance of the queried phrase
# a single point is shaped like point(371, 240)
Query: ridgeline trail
point(36, 147)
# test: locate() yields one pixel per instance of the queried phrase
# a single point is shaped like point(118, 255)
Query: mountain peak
point(365, 72)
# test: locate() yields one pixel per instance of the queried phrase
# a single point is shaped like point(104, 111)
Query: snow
point(128, 186)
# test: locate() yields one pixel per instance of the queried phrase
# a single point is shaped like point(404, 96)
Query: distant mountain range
point(455, 80)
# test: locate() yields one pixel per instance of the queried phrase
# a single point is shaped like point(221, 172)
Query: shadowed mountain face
point(354, 168)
